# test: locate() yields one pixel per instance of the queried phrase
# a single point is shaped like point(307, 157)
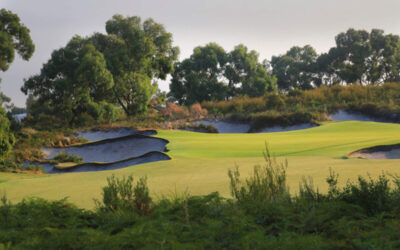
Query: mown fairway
point(200, 162)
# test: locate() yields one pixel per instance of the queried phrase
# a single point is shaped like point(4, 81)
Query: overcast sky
point(268, 26)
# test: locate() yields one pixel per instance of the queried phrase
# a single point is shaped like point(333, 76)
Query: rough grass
point(200, 162)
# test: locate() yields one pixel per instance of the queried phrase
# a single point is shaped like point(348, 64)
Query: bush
point(197, 112)
point(120, 194)
point(268, 182)
point(65, 157)
point(173, 111)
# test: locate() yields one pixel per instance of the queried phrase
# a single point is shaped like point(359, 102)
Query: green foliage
point(212, 74)
point(14, 36)
point(360, 215)
point(69, 82)
point(65, 157)
point(295, 68)
point(358, 57)
point(299, 106)
point(7, 139)
point(267, 183)
point(136, 52)
point(83, 82)
point(121, 194)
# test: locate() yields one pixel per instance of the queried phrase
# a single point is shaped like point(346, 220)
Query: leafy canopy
point(14, 36)
point(213, 74)
point(91, 76)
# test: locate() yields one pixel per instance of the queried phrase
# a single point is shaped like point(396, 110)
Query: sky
point(270, 27)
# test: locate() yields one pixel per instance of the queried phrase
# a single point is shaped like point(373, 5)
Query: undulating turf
point(200, 162)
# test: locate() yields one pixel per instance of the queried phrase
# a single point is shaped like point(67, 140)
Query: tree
point(350, 55)
point(87, 78)
point(72, 83)
point(14, 36)
point(213, 74)
point(136, 53)
point(383, 64)
point(246, 76)
point(362, 57)
point(200, 77)
point(296, 68)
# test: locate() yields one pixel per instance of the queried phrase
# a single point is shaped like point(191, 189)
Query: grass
point(200, 162)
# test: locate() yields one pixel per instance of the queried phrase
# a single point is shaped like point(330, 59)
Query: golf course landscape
point(207, 127)
point(200, 162)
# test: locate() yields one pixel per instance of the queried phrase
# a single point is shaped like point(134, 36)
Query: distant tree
point(296, 68)
point(72, 82)
point(350, 55)
point(246, 75)
point(200, 77)
point(14, 36)
point(361, 57)
point(384, 61)
point(213, 74)
point(136, 53)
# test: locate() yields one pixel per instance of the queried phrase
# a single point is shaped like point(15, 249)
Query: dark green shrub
point(120, 194)
point(65, 157)
point(372, 195)
point(268, 182)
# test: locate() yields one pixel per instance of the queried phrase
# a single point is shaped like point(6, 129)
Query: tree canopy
point(211, 74)
point(358, 57)
point(73, 81)
point(92, 75)
point(14, 36)
point(296, 68)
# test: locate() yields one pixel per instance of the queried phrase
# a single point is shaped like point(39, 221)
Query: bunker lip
point(357, 115)
point(101, 134)
point(378, 152)
point(111, 153)
point(235, 127)
point(115, 139)
point(100, 166)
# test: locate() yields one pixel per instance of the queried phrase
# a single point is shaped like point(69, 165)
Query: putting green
point(200, 162)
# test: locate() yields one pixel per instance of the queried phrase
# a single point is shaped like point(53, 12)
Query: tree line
point(105, 76)
point(358, 57)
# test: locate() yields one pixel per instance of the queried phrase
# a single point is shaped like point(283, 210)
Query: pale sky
point(270, 27)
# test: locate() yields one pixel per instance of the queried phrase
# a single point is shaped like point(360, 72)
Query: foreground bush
point(261, 215)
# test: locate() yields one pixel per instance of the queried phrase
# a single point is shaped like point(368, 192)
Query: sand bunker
point(343, 115)
point(111, 150)
point(227, 127)
point(91, 166)
point(288, 128)
point(113, 133)
point(379, 152)
point(240, 128)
